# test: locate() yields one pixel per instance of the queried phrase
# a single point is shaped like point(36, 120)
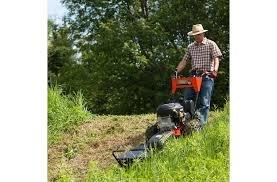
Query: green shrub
point(64, 112)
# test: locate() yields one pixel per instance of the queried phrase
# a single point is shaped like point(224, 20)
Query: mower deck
point(140, 152)
point(125, 158)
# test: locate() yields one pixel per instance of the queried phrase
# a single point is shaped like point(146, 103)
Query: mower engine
point(171, 121)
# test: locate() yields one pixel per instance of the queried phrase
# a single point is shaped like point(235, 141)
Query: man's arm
point(181, 65)
point(216, 55)
point(213, 73)
point(216, 64)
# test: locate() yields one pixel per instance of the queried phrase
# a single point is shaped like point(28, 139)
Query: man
point(204, 55)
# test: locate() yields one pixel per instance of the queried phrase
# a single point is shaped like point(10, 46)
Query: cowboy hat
point(197, 29)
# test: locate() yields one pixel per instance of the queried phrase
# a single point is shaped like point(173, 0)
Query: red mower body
point(179, 82)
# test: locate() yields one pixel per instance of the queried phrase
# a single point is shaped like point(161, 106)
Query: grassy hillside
point(203, 156)
point(84, 154)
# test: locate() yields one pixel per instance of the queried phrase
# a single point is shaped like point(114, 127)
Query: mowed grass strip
point(94, 141)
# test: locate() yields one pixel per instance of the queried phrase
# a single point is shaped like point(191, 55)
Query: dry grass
point(95, 141)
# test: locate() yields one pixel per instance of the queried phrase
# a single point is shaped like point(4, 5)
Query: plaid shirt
point(202, 55)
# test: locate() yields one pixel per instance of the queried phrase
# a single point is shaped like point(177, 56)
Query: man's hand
point(175, 74)
point(213, 74)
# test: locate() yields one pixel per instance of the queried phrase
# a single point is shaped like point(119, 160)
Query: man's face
point(199, 37)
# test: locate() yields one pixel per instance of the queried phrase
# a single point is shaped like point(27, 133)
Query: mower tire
point(192, 125)
point(151, 131)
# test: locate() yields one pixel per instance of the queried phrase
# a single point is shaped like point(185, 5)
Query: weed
point(65, 174)
point(64, 113)
point(70, 152)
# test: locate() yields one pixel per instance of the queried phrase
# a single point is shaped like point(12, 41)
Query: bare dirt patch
point(95, 141)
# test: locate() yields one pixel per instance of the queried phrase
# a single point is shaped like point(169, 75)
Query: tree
point(129, 49)
point(60, 51)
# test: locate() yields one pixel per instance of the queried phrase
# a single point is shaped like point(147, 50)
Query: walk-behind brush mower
point(173, 120)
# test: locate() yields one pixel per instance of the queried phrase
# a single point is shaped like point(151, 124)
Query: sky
point(56, 10)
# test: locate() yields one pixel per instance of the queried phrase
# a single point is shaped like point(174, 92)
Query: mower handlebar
point(176, 72)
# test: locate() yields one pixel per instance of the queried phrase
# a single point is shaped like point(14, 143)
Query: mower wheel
point(192, 125)
point(150, 131)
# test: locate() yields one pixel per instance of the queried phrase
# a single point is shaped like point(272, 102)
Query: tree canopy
point(121, 54)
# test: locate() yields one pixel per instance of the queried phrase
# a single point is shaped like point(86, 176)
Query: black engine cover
point(189, 106)
point(167, 109)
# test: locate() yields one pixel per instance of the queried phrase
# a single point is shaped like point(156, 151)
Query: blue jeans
point(204, 98)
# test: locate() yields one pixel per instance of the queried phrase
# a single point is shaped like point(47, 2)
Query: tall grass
point(64, 112)
point(203, 156)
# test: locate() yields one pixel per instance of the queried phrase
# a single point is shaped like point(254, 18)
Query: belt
point(198, 72)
